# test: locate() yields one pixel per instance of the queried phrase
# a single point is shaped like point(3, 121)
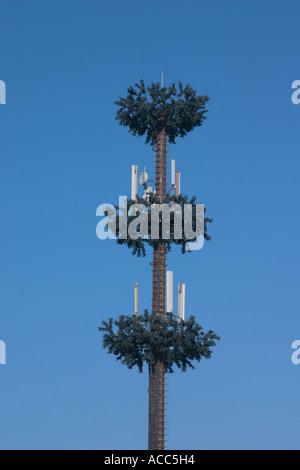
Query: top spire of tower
point(162, 77)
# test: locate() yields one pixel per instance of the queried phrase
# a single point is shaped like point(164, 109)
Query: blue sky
point(62, 154)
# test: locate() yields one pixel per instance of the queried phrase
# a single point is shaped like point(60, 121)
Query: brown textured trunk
point(156, 439)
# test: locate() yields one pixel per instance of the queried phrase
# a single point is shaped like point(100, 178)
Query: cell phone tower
point(156, 436)
point(162, 114)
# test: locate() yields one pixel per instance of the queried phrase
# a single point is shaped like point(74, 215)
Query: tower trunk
point(156, 440)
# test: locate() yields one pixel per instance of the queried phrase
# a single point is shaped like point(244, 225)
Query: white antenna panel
point(169, 292)
point(134, 182)
point(181, 301)
point(173, 172)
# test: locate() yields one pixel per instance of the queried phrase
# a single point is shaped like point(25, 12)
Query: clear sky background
point(65, 62)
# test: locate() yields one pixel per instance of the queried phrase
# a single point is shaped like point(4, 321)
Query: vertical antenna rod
point(178, 184)
point(181, 301)
point(169, 292)
point(136, 299)
point(173, 175)
point(134, 182)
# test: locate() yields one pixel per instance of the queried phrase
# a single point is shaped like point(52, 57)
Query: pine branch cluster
point(149, 338)
point(147, 109)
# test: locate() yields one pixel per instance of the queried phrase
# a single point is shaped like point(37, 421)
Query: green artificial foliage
point(147, 109)
point(149, 338)
point(138, 247)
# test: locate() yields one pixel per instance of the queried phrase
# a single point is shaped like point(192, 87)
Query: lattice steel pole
point(156, 440)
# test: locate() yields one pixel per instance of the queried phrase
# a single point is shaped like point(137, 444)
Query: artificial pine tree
point(158, 339)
